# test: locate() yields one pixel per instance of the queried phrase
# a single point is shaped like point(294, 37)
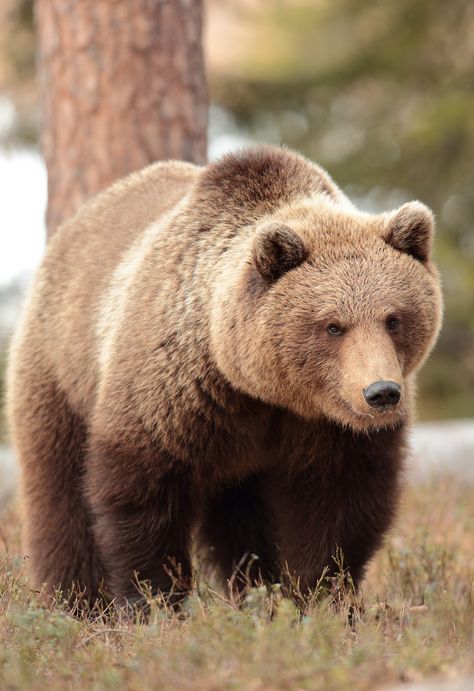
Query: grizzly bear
point(221, 356)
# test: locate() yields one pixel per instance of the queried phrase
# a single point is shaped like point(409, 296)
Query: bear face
point(332, 312)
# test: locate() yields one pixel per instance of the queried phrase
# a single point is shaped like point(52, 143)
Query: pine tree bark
point(123, 85)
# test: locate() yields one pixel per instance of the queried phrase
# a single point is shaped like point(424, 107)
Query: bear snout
point(382, 394)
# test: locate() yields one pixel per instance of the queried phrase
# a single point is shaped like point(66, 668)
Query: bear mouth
point(364, 420)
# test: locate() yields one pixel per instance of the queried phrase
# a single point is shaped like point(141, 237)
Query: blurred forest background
point(379, 93)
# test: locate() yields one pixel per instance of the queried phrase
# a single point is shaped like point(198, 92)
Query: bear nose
point(382, 394)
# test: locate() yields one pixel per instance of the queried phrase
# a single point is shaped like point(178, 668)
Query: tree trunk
point(123, 85)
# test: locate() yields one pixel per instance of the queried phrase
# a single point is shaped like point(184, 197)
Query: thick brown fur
point(173, 375)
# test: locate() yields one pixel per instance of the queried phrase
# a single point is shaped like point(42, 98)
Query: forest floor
point(412, 622)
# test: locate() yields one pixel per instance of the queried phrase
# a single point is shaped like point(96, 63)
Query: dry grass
point(413, 620)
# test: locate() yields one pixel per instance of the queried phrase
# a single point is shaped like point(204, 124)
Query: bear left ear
point(277, 249)
point(410, 230)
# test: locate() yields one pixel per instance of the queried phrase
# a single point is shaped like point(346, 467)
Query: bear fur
point(191, 364)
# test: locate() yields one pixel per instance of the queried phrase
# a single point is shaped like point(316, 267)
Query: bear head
point(328, 311)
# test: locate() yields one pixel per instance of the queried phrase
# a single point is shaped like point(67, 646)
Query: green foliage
point(17, 71)
point(20, 46)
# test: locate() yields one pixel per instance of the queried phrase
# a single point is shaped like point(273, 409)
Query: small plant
point(414, 618)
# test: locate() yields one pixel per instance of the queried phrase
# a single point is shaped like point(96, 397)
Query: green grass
point(413, 619)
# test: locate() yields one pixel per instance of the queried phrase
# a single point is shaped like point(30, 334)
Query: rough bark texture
point(123, 84)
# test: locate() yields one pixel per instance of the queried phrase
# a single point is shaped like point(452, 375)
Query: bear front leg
point(143, 506)
point(306, 523)
point(237, 528)
point(319, 512)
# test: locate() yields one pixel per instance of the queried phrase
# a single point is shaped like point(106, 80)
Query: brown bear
point(223, 353)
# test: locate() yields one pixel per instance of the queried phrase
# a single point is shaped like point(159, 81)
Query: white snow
point(22, 212)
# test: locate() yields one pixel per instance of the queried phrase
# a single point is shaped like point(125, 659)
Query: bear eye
point(334, 330)
point(392, 323)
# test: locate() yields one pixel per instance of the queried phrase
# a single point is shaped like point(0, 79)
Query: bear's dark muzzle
point(382, 394)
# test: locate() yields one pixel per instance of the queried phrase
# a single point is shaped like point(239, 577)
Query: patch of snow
point(22, 212)
point(8, 475)
point(442, 448)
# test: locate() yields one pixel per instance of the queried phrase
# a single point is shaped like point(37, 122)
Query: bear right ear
point(410, 230)
point(277, 249)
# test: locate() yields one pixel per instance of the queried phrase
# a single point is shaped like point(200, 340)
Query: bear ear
point(410, 230)
point(277, 249)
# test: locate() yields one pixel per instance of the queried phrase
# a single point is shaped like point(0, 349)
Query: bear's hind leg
point(49, 439)
point(239, 532)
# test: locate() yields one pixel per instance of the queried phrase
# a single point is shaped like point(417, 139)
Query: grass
point(414, 619)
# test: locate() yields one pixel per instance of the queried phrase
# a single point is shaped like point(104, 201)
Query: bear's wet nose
point(382, 394)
